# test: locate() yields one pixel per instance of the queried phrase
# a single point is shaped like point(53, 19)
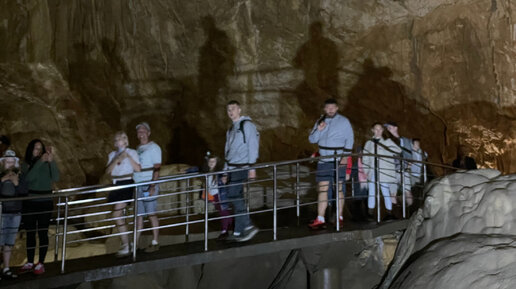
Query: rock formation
point(73, 72)
point(462, 238)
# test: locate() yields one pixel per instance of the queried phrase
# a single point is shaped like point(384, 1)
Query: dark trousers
point(227, 222)
point(236, 197)
point(36, 218)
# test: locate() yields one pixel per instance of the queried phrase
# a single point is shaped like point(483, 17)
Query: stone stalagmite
point(464, 237)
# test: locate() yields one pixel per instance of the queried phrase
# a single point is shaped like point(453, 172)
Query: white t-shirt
point(150, 154)
point(213, 187)
point(124, 168)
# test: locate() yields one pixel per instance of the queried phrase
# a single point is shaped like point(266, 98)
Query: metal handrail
point(70, 205)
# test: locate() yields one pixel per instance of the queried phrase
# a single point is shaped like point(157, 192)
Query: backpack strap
point(242, 128)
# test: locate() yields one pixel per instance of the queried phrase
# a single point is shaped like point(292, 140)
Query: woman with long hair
point(40, 171)
point(122, 163)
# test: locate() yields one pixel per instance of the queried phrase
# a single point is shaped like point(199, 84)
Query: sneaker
point(124, 251)
point(28, 267)
point(248, 234)
point(233, 238)
point(317, 224)
point(9, 275)
point(39, 269)
point(223, 236)
point(153, 247)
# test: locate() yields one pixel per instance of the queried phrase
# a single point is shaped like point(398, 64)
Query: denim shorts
point(147, 206)
point(326, 172)
point(10, 225)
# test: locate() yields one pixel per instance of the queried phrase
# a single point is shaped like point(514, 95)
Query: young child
point(11, 186)
point(216, 188)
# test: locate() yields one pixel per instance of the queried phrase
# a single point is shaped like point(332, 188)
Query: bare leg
point(341, 200)
point(155, 224)
point(7, 255)
point(140, 226)
point(120, 223)
point(322, 198)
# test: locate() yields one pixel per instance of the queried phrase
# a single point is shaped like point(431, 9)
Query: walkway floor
point(290, 235)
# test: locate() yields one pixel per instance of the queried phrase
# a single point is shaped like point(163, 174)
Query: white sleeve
point(134, 155)
point(111, 156)
point(156, 155)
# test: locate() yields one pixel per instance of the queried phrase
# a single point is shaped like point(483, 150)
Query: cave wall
point(74, 72)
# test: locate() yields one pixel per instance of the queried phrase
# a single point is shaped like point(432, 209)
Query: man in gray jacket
point(334, 135)
point(241, 151)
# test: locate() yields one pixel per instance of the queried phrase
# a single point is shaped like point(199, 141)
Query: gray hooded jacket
point(237, 152)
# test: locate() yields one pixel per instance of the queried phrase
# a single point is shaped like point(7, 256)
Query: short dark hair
point(330, 101)
point(416, 139)
point(376, 123)
point(233, 102)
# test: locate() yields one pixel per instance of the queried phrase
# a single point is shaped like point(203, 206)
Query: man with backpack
point(241, 151)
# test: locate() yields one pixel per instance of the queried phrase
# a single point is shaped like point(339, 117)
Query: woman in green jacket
point(40, 170)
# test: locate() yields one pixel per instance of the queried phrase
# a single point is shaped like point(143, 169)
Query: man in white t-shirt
point(150, 160)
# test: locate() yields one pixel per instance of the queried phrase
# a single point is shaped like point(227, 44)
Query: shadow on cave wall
point(376, 97)
point(319, 60)
point(204, 99)
point(216, 63)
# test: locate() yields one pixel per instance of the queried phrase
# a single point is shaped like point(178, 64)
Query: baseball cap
point(144, 124)
point(391, 123)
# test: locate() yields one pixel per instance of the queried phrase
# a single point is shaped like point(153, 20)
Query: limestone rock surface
point(73, 72)
point(463, 237)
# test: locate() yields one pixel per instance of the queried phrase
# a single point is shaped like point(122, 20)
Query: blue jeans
point(235, 195)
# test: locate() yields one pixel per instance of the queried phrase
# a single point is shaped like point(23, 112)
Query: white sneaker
point(124, 251)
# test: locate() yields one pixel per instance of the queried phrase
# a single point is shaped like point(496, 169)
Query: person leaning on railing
point(12, 185)
point(40, 170)
point(121, 165)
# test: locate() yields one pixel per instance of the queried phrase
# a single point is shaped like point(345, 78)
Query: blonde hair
point(123, 136)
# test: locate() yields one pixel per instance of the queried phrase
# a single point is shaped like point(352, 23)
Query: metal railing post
point(402, 178)
point(247, 200)
point(65, 230)
point(274, 202)
point(337, 194)
point(206, 213)
point(424, 173)
point(135, 222)
point(297, 192)
point(187, 227)
point(377, 182)
point(56, 242)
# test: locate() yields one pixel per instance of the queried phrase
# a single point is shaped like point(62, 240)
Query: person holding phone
point(334, 135)
point(121, 165)
point(40, 171)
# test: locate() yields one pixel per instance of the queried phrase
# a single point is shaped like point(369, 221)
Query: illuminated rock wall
point(74, 72)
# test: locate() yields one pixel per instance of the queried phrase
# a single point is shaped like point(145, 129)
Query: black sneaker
point(248, 234)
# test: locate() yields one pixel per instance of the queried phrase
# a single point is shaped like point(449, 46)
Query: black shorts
point(122, 194)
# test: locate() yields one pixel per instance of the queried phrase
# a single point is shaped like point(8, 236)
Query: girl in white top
point(386, 166)
point(121, 165)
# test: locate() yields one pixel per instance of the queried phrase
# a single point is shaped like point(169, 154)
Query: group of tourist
point(33, 176)
point(332, 133)
point(400, 158)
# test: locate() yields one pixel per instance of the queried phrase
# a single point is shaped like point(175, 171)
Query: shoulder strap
point(242, 127)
